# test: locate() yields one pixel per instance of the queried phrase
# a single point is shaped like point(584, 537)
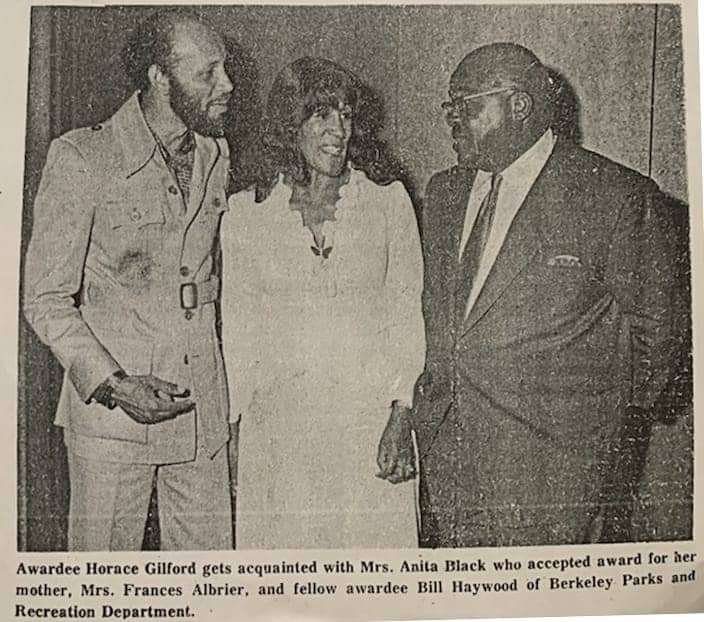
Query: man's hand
point(396, 457)
point(148, 399)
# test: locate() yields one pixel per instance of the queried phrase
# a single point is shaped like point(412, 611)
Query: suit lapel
point(523, 240)
point(202, 168)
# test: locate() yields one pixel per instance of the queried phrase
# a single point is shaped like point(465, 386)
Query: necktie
point(472, 253)
point(181, 162)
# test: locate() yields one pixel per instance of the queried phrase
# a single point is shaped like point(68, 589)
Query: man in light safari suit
point(119, 283)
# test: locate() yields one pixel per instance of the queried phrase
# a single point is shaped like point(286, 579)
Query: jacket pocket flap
point(134, 215)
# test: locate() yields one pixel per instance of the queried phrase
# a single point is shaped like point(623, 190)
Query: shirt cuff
point(86, 380)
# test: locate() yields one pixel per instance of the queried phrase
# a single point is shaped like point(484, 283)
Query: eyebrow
point(214, 60)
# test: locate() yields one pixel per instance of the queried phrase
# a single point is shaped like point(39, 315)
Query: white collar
point(527, 166)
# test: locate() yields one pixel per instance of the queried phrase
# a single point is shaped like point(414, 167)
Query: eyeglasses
point(452, 106)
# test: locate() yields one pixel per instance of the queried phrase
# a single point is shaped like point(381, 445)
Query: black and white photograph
point(355, 277)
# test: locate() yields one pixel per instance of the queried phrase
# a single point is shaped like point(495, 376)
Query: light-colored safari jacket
point(111, 247)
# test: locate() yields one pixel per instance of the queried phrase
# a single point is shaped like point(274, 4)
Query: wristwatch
point(103, 394)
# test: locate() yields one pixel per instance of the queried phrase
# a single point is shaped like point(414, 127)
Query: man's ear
point(521, 106)
point(158, 80)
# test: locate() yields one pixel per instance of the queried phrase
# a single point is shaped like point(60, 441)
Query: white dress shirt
point(517, 180)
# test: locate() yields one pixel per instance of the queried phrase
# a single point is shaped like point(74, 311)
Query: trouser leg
point(194, 504)
point(109, 503)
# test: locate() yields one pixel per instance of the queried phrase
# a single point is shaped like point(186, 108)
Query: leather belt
point(193, 295)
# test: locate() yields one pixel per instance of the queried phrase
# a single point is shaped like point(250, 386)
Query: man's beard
point(489, 152)
point(187, 108)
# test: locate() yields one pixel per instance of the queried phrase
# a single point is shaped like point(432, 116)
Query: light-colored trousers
point(110, 501)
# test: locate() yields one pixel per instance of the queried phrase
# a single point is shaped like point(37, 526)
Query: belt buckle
point(189, 295)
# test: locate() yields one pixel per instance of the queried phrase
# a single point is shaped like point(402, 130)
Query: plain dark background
point(621, 67)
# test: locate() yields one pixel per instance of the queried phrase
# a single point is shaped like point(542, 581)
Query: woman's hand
point(396, 456)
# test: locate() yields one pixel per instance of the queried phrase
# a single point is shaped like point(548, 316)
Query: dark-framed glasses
point(462, 101)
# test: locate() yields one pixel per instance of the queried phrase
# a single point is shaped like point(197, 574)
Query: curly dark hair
point(298, 91)
point(150, 43)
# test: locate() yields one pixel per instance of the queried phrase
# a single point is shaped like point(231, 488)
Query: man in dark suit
point(548, 319)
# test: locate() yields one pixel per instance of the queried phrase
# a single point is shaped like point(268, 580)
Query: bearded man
point(549, 322)
point(119, 284)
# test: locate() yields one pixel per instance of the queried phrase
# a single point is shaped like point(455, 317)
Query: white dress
point(316, 349)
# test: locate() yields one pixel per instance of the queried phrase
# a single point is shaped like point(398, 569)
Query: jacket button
point(136, 215)
point(216, 201)
point(188, 314)
point(173, 189)
point(184, 271)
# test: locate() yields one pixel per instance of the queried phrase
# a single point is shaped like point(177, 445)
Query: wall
point(607, 53)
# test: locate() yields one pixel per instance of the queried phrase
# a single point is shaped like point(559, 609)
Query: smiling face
point(199, 86)
point(323, 138)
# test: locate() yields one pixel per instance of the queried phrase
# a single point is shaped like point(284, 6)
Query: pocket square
point(565, 261)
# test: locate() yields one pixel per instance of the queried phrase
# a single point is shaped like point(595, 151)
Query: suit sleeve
point(438, 324)
point(436, 328)
point(678, 393)
point(433, 391)
point(54, 267)
point(404, 285)
point(641, 264)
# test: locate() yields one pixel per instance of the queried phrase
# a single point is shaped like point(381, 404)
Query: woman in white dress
point(322, 324)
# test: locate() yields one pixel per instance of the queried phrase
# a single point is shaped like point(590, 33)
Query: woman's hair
point(301, 89)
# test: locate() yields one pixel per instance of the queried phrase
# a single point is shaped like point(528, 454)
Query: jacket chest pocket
point(134, 229)
point(563, 284)
point(134, 218)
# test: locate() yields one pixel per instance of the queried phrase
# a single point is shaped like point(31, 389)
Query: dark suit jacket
point(520, 408)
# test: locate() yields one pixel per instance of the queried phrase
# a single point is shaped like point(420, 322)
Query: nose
point(224, 84)
point(336, 123)
point(452, 115)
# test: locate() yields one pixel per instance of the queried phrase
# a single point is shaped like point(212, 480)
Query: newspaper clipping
point(350, 311)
